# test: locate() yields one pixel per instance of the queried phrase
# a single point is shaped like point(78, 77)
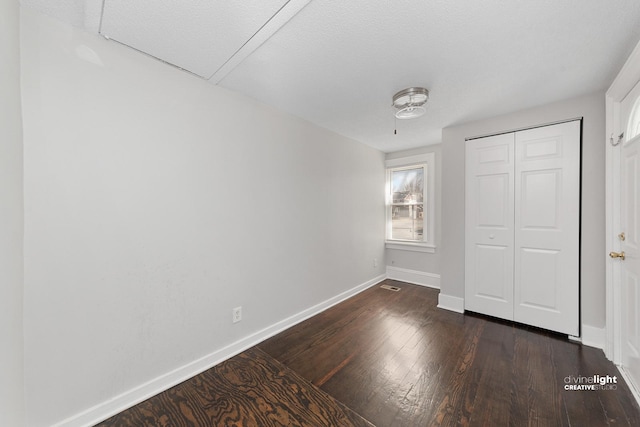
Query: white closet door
point(547, 218)
point(489, 226)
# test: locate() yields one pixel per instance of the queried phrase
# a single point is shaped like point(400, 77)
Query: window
point(407, 203)
point(633, 126)
point(410, 196)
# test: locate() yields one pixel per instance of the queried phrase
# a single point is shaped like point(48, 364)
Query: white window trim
point(428, 245)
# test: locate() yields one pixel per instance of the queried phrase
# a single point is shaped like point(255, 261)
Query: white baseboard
point(132, 397)
point(415, 277)
point(594, 337)
point(451, 303)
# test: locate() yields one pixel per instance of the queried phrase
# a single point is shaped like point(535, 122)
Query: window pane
point(407, 222)
point(407, 186)
point(633, 126)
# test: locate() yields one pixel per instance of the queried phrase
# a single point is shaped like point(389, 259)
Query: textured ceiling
point(338, 63)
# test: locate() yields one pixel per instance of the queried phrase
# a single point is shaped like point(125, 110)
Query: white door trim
point(623, 83)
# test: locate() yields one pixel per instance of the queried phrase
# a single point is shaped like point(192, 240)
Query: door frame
point(621, 86)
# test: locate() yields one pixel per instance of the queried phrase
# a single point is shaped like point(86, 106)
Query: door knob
point(617, 255)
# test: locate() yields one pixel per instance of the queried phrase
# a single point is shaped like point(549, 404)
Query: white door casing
point(522, 226)
point(489, 223)
point(547, 227)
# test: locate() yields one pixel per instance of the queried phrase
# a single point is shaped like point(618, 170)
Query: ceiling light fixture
point(410, 102)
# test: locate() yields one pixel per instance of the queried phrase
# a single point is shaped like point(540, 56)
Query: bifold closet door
point(547, 227)
point(489, 229)
point(522, 219)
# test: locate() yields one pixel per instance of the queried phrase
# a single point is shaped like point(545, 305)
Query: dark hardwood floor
point(394, 359)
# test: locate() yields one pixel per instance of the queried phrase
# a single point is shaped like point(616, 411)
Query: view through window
point(407, 203)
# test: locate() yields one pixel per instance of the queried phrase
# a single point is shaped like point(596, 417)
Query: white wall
point(420, 261)
point(155, 203)
point(11, 217)
point(593, 256)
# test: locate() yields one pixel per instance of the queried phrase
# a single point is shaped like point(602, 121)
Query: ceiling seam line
point(249, 39)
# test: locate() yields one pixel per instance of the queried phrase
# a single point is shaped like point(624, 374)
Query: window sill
point(410, 246)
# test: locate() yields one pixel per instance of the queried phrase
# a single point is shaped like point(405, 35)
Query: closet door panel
point(540, 199)
point(547, 202)
point(489, 226)
point(539, 278)
point(493, 273)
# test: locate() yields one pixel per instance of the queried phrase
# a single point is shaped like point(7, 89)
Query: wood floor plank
point(251, 389)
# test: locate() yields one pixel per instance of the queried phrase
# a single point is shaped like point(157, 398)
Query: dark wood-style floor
point(393, 359)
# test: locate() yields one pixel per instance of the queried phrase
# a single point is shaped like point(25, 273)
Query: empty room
point(319, 213)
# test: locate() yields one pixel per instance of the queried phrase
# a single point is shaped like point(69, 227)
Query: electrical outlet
point(237, 314)
point(375, 262)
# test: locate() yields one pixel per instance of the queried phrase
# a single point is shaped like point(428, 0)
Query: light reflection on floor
point(409, 347)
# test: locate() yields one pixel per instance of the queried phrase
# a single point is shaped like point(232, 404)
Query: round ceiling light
point(410, 102)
